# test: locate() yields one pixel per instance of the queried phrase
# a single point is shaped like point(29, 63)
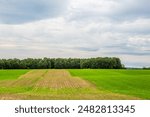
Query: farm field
point(128, 82)
point(74, 84)
point(11, 74)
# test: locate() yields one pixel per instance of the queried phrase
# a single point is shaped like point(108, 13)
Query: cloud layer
point(23, 11)
point(76, 29)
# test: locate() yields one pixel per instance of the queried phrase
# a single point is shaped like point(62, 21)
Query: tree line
point(62, 63)
point(146, 68)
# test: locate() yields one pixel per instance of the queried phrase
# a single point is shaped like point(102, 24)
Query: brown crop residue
point(29, 79)
point(61, 79)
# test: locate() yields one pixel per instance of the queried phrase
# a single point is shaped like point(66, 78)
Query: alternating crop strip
point(53, 84)
point(62, 63)
point(58, 79)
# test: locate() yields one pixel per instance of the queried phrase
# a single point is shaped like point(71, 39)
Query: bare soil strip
point(61, 79)
point(29, 79)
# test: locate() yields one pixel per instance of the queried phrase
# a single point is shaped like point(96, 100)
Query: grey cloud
point(112, 10)
point(23, 11)
point(88, 49)
point(131, 9)
point(130, 53)
point(127, 50)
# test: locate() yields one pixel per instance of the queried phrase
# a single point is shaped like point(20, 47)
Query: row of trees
point(147, 68)
point(61, 63)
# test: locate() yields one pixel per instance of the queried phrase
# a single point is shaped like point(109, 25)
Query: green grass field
point(75, 84)
point(11, 74)
point(130, 82)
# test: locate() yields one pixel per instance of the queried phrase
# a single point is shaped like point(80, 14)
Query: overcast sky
point(76, 28)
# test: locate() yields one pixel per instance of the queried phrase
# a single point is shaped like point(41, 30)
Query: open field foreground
point(74, 84)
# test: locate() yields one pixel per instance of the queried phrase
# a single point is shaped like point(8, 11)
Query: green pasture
point(130, 82)
point(11, 74)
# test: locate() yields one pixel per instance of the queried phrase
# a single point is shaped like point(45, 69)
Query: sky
point(76, 29)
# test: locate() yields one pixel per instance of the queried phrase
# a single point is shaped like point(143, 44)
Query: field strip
point(61, 79)
point(29, 79)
